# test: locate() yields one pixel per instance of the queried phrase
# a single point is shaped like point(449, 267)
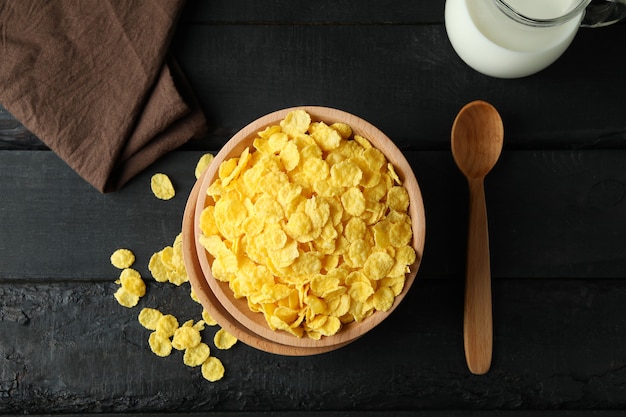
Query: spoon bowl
point(477, 138)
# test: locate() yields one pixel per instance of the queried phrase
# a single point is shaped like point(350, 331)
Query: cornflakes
point(196, 355)
point(122, 258)
point(212, 369)
point(224, 340)
point(132, 288)
point(210, 321)
point(186, 337)
point(160, 344)
point(167, 265)
point(203, 163)
point(125, 298)
point(162, 187)
point(167, 325)
point(131, 281)
point(310, 225)
point(149, 317)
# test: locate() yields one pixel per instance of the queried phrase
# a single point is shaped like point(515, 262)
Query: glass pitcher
point(517, 38)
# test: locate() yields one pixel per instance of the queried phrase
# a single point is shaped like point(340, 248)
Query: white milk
point(491, 43)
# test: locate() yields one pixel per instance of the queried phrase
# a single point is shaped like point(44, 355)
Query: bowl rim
point(237, 308)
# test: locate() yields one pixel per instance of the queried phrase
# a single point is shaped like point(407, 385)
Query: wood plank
point(406, 79)
point(68, 347)
point(320, 12)
point(395, 413)
point(55, 225)
point(13, 135)
point(365, 413)
point(551, 213)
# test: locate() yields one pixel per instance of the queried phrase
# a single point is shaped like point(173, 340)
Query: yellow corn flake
point(207, 221)
point(162, 187)
point(131, 281)
point(212, 369)
point(160, 344)
point(383, 298)
point(310, 226)
point(346, 173)
point(210, 321)
point(167, 265)
point(199, 325)
point(400, 234)
point(167, 325)
point(193, 295)
point(224, 340)
point(398, 199)
point(242, 161)
point(277, 142)
point(296, 123)
point(361, 310)
point(204, 161)
point(378, 265)
point(363, 142)
point(344, 129)
point(149, 317)
point(325, 136)
point(330, 326)
point(269, 131)
point(361, 291)
point(322, 285)
point(157, 268)
point(196, 355)
point(289, 156)
point(353, 201)
point(393, 174)
point(186, 337)
point(125, 298)
point(122, 258)
point(396, 284)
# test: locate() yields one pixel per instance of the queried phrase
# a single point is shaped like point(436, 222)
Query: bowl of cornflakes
point(308, 229)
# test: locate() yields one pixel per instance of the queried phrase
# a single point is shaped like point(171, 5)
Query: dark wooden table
point(557, 217)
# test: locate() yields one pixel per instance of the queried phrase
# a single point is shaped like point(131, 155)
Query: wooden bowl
point(238, 309)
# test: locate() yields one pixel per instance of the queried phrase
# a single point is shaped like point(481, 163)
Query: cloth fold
point(92, 79)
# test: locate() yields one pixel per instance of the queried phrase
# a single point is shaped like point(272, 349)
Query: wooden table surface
point(557, 218)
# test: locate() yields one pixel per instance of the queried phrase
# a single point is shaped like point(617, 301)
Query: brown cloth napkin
point(92, 80)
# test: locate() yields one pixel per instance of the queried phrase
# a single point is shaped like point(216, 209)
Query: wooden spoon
point(477, 136)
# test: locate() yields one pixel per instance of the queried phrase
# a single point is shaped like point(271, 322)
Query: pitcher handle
point(603, 13)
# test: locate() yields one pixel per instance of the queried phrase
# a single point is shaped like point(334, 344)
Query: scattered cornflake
point(212, 369)
point(194, 296)
point(167, 265)
point(122, 258)
point(210, 321)
point(186, 336)
point(126, 299)
point(162, 187)
point(149, 317)
point(204, 161)
point(131, 281)
point(168, 335)
point(167, 325)
point(197, 355)
point(160, 344)
point(224, 340)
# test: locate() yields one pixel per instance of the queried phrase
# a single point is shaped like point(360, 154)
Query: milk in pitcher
point(494, 44)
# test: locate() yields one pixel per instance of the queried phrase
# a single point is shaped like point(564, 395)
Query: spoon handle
point(477, 321)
